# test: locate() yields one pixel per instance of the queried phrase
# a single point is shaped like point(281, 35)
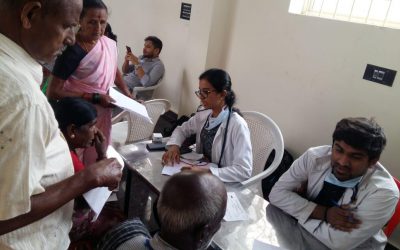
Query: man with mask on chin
point(341, 194)
point(145, 70)
point(37, 184)
point(190, 210)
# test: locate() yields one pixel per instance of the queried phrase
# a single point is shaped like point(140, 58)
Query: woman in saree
point(89, 69)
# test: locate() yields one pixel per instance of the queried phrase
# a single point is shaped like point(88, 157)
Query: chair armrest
point(120, 117)
point(257, 178)
point(139, 89)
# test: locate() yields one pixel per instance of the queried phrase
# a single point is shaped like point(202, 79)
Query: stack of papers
point(176, 168)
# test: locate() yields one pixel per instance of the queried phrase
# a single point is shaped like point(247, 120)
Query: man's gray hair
point(192, 210)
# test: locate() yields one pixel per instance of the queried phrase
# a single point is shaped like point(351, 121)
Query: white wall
point(306, 73)
point(185, 42)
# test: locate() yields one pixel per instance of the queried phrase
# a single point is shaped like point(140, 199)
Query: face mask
point(215, 121)
point(347, 184)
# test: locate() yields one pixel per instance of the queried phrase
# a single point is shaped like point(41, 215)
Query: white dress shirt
point(33, 155)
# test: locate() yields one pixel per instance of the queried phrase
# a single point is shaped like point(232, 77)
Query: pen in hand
point(350, 218)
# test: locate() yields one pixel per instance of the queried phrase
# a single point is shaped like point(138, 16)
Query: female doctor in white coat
point(222, 135)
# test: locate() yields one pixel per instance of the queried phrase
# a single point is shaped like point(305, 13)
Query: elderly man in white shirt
point(37, 184)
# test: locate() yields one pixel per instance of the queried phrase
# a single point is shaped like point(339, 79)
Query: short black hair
point(74, 110)
point(157, 43)
point(93, 4)
point(361, 133)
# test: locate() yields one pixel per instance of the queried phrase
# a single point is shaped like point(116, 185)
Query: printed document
point(234, 210)
point(129, 104)
point(176, 168)
point(97, 197)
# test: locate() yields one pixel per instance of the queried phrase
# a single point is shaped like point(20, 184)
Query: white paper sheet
point(176, 168)
point(234, 210)
point(97, 197)
point(259, 245)
point(129, 104)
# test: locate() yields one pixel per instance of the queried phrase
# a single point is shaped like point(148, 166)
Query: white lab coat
point(237, 161)
point(376, 201)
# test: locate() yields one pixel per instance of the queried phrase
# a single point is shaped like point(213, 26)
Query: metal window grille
point(384, 13)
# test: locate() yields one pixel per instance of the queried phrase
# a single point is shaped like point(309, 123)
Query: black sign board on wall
point(186, 9)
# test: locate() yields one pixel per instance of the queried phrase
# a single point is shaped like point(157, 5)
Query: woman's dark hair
point(221, 81)
point(92, 4)
point(74, 110)
point(361, 133)
point(108, 32)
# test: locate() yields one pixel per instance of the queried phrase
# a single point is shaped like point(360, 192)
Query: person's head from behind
point(93, 20)
point(357, 146)
point(77, 120)
point(41, 27)
point(190, 209)
point(152, 47)
point(215, 89)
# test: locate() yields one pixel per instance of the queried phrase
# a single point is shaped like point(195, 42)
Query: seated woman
point(77, 120)
point(222, 135)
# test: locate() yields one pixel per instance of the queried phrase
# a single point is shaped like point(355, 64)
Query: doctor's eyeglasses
point(203, 93)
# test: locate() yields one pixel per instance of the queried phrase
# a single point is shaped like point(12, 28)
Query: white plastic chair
point(146, 93)
point(265, 137)
point(129, 127)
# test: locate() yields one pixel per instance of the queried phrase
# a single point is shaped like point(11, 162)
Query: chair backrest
point(139, 127)
point(265, 137)
point(146, 93)
point(394, 221)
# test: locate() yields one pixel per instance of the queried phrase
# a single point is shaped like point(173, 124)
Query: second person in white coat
point(222, 135)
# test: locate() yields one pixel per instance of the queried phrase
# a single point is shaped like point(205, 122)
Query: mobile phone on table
point(128, 49)
point(156, 146)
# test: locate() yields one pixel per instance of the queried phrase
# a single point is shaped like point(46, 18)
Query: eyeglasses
point(203, 93)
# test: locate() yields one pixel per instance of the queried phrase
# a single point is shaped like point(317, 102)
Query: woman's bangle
point(95, 98)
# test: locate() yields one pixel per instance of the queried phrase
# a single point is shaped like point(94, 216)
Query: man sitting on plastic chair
point(341, 194)
point(146, 70)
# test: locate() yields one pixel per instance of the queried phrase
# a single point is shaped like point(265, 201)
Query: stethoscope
point(353, 198)
point(225, 134)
